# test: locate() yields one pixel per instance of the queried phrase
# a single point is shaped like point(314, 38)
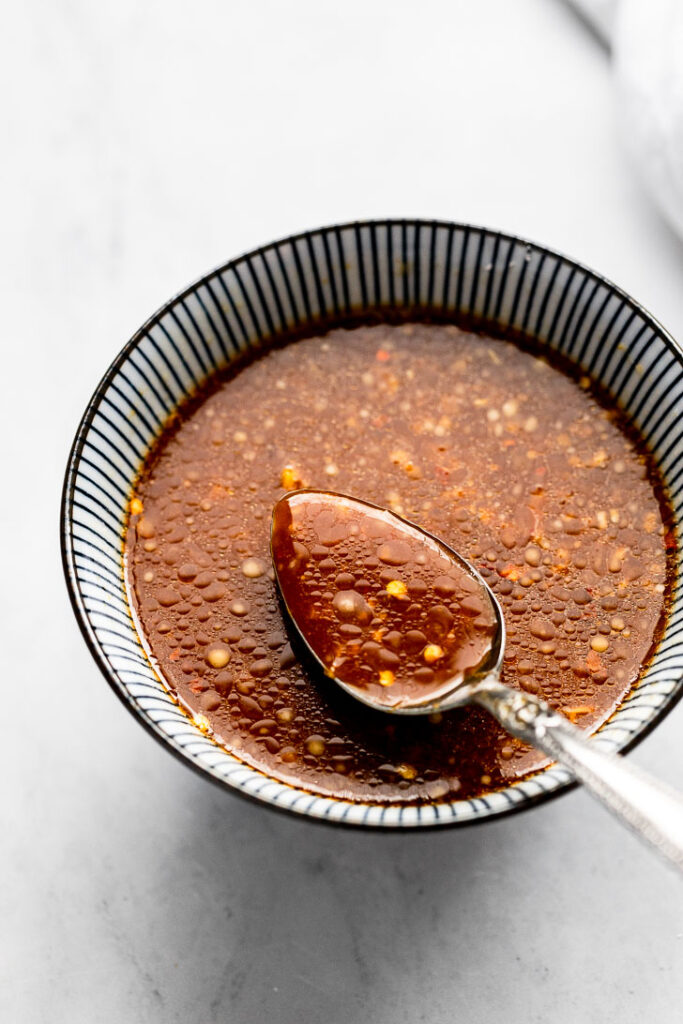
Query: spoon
point(406, 625)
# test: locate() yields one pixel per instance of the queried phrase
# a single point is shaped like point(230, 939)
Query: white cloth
point(646, 39)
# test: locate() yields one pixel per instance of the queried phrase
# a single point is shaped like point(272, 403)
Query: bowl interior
point(327, 275)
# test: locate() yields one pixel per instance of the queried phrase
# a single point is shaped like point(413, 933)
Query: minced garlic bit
point(386, 678)
point(576, 712)
point(397, 588)
point(432, 653)
point(407, 771)
point(290, 478)
point(202, 722)
point(136, 507)
point(404, 461)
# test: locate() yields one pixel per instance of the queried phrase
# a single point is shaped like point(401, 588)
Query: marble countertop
point(144, 144)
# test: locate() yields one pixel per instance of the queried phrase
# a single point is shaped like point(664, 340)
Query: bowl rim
point(76, 600)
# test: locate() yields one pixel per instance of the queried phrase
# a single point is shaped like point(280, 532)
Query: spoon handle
point(650, 808)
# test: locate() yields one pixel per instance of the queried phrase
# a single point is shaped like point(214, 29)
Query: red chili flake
point(540, 470)
point(196, 685)
point(581, 709)
point(379, 421)
point(669, 540)
point(442, 473)
point(593, 662)
point(382, 355)
point(174, 655)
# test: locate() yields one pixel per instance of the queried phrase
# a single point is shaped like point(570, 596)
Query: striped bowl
point(319, 276)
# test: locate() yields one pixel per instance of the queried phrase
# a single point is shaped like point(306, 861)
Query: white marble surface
point(144, 143)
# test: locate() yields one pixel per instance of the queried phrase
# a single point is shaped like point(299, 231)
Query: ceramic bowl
point(331, 273)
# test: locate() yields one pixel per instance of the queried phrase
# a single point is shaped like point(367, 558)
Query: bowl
point(500, 280)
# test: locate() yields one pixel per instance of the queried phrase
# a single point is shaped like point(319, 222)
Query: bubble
point(315, 745)
point(218, 656)
point(349, 604)
point(238, 608)
point(261, 667)
point(445, 586)
point(145, 528)
point(203, 579)
point(395, 552)
point(344, 581)
point(252, 568)
point(542, 628)
point(214, 592)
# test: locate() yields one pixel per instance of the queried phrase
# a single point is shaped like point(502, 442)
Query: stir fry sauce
point(509, 459)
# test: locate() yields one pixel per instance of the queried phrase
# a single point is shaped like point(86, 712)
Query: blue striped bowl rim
point(330, 273)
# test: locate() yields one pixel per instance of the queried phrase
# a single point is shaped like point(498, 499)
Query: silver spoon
point(650, 808)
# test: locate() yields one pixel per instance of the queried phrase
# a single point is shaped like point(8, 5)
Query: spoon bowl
point(339, 513)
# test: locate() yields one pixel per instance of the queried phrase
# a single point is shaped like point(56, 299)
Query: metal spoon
point(651, 809)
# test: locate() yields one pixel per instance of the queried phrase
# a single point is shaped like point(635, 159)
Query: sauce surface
point(514, 464)
point(385, 608)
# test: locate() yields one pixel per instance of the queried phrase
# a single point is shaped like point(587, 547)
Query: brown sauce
point(514, 464)
point(386, 609)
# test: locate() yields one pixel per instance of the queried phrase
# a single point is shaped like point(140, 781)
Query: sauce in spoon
point(389, 611)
